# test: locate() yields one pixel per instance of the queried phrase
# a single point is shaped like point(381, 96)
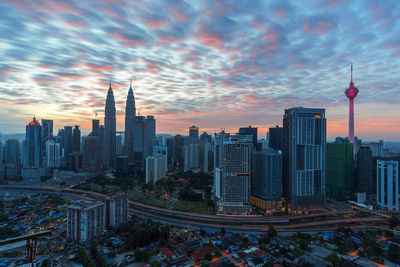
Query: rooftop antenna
point(351, 75)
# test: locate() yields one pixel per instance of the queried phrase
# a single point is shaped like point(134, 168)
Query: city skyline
point(190, 64)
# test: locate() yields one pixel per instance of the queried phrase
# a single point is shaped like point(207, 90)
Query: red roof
point(258, 252)
point(166, 252)
point(201, 253)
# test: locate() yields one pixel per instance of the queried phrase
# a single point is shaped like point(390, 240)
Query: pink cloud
point(178, 15)
point(319, 28)
point(127, 42)
point(92, 67)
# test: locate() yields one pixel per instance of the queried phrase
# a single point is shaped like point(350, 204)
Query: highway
point(250, 224)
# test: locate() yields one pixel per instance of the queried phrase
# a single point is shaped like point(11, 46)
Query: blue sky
point(214, 64)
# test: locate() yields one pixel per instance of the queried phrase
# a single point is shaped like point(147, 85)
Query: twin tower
point(110, 126)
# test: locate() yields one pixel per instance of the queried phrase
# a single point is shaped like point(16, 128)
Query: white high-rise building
point(155, 168)
point(162, 150)
point(52, 154)
point(387, 184)
point(191, 157)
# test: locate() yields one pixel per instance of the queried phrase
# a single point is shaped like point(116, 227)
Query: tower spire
point(351, 73)
point(110, 81)
point(130, 83)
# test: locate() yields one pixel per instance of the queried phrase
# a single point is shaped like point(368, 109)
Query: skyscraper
point(339, 169)
point(304, 144)
point(67, 142)
point(194, 133)
point(110, 130)
point(178, 152)
point(95, 127)
point(351, 93)
point(33, 145)
point(276, 138)
point(387, 184)
point(364, 169)
point(266, 185)
point(233, 175)
point(130, 114)
point(138, 140)
point(149, 135)
point(76, 139)
point(52, 154)
point(47, 134)
point(250, 131)
point(32, 164)
point(12, 153)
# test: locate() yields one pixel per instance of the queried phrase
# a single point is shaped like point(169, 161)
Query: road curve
point(253, 224)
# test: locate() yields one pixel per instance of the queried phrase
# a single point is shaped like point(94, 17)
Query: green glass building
point(339, 169)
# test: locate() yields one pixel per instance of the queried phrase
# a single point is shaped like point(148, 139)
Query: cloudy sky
point(214, 64)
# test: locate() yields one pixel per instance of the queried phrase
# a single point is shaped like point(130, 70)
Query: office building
point(171, 153)
point(122, 166)
point(205, 137)
point(250, 131)
point(47, 134)
point(85, 221)
point(92, 150)
point(116, 210)
point(387, 184)
point(95, 127)
point(275, 137)
point(138, 143)
point(130, 114)
point(12, 153)
point(149, 135)
point(33, 145)
point(364, 170)
point(155, 168)
point(232, 175)
point(161, 150)
point(205, 156)
point(119, 145)
point(110, 130)
point(67, 138)
point(194, 133)
point(76, 139)
point(52, 154)
point(191, 156)
point(178, 152)
point(266, 185)
point(377, 148)
point(339, 169)
point(304, 144)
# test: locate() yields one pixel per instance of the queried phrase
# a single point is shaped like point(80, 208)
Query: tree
point(223, 232)
point(202, 232)
point(334, 259)
point(271, 231)
point(141, 255)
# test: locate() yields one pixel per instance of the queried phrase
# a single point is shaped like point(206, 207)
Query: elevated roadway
point(311, 222)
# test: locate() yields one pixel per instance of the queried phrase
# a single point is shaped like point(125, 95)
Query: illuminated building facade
point(266, 185)
point(304, 144)
point(233, 175)
point(130, 114)
point(110, 130)
point(351, 94)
